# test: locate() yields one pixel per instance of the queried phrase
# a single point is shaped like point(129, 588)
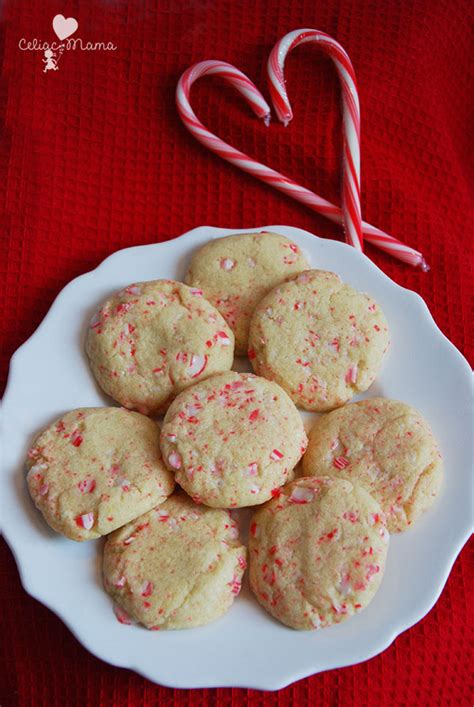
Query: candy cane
point(350, 116)
point(267, 175)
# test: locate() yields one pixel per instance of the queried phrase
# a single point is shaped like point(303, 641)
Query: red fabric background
point(93, 159)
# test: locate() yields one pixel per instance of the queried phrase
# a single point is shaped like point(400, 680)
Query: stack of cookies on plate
point(318, 542)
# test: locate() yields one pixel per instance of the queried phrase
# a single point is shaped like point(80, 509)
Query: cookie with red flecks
point(320, 339)
point(153, 339)
point(178, 566)
point(235, 272)
point(232, 440)
point(95, 469)
point(317, 552)
point(385, 445)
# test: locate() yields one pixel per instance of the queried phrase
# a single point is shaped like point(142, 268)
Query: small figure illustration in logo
point(50, 61)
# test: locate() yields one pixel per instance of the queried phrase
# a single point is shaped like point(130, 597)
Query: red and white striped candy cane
point(267, 175)
point(350, 116)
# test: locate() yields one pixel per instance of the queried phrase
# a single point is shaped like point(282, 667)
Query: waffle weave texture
point(94, 159)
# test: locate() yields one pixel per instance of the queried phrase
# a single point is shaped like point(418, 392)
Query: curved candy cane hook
point(245, 87)
point(350, 116)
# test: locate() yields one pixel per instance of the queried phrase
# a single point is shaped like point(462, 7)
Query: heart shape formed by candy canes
point(256, 101)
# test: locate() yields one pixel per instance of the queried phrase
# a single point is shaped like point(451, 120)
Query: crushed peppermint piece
point(351, 375)
point(147, 589)
point(223, 339)
point(197, 365)
point(252, 469)
point(254, 530)
point(122, 616)
point(350, 516)
point(76, 438)
point(242, 562)
point(301, 494)
point(227, 264)
point(174, 460)
point(85, 521)
point(133, 290)
point(95, 321)
point(276, 455)
point(235, 585)
point(340, 462)
point(86, 485)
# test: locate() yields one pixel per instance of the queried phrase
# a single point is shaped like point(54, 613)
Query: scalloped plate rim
point(391, 632)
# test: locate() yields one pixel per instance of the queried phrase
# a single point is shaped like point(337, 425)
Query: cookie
point(177, 566)
point(320, 339)
point(235, 272)
point(95, 469)
point(232, 440)
point(152, 340)
point(317, 552)
point(385, 445)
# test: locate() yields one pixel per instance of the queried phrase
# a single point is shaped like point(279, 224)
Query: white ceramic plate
point(49, 374)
